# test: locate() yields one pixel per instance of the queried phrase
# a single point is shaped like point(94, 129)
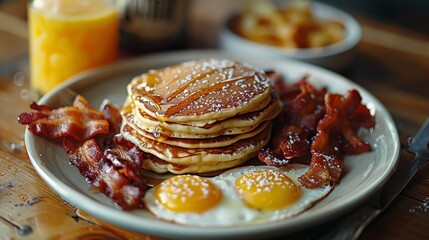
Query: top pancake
point(241, 123)
point(203, 90)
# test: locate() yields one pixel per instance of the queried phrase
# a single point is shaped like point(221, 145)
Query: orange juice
point(70, 36)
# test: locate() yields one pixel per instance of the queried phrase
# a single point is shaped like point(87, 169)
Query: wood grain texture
point(398, 78)
point(25, 200)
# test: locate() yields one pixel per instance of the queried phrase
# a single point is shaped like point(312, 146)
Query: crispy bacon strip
point(109, 162)
point(303, 108)
point(317, 125)
point(336, 136)
point(112, 114)
point(80, 121)
point(272, 157)
point(113, 171)
point(302, 116)
point(278, 83)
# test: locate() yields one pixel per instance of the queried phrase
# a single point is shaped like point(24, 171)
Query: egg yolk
point(188, 193)
point(267, 189)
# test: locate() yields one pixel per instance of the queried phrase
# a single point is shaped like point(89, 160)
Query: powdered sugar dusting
point(263, 181)
point(184, 187)
point(209, 84)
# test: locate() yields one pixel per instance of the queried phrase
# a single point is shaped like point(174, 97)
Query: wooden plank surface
point(399, 78)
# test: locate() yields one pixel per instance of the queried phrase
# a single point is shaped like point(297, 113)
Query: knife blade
point(355, 223)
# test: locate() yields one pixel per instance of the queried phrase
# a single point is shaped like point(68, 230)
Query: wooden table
point(394, 69)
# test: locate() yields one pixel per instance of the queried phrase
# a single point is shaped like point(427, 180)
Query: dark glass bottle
point(153, 25)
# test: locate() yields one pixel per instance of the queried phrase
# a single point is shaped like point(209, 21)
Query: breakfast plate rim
point(108, 212)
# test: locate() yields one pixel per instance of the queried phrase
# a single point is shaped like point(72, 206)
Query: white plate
point(334, 56)
point(364, 174)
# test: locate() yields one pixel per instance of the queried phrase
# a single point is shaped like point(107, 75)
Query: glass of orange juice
point(70, 36)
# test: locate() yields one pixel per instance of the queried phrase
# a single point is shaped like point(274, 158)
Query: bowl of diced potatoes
point(304, 30)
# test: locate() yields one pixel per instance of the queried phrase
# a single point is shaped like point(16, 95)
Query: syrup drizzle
point(161, 134)
point(200, 76)
point(173, 109)
point(164, 108)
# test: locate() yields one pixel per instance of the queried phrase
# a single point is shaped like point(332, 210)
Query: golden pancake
point(157, 165)
point(219, 141)
point(202, 90)
point(195, 156)
point(199, 116)
point(163, 128)
point(234, 125)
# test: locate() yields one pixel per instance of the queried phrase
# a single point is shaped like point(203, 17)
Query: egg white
point(232, 210)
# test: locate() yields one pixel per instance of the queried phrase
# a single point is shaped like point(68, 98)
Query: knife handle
point(351, 227)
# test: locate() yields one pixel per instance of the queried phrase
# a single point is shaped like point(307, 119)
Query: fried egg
point(246, 195)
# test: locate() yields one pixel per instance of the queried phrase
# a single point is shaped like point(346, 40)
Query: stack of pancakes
point(199, 116)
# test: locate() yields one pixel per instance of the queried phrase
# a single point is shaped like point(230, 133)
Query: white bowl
point(335, 56)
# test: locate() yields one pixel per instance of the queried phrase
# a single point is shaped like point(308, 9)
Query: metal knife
point(355, 223)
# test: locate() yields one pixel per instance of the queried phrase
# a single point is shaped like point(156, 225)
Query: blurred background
point(411, 14)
